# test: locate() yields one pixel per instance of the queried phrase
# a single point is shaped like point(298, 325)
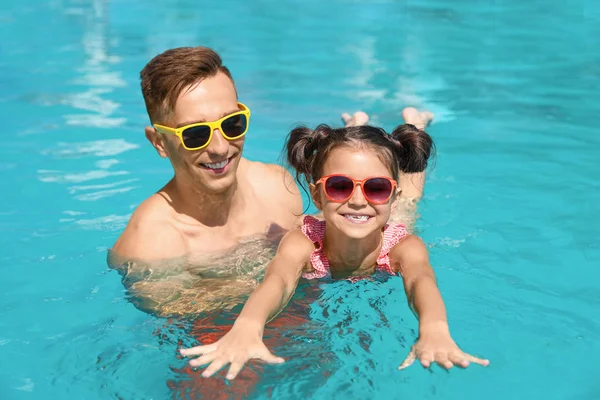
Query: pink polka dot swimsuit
point(314, 230)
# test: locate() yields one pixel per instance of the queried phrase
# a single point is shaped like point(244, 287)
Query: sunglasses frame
point(244, 110)
point(357, 182)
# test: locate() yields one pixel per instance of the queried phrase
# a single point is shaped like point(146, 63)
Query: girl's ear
point(397, 193)
point(315, 195)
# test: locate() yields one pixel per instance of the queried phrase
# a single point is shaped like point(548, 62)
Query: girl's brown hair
point(406, 149)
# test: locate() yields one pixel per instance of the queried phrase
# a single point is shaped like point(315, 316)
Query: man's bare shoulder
point(275, 182)
point(277, 191)
point(271, 176)
point(150, 234)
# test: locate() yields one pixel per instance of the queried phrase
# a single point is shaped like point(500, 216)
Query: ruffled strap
point(392, 234)
point(314, 230)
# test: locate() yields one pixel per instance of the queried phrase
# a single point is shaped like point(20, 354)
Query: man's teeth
point(220, 165)
point(357, 217)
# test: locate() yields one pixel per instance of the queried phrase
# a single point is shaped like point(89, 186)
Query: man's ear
point(315, 195)
point(157, 140)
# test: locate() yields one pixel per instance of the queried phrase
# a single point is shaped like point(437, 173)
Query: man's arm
point(169, 289)
point(150, 256)
point(149, 236)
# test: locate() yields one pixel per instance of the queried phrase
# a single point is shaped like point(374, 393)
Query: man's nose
point(219, 146)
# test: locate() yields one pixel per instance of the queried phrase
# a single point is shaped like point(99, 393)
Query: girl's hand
point(436, 345)
point(242, 343)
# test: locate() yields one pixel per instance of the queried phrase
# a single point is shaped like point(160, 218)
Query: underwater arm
point(174, 287)
point(154, 287)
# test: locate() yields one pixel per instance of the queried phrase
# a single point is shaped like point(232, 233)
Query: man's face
point(213, 168)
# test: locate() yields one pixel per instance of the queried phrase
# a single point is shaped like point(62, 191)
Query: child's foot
point(359, 118)
point(420, 119)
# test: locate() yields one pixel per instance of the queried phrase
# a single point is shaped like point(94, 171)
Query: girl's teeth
point(358, 217)
point(220, 165)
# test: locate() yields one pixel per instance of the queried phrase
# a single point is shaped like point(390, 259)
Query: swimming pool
point(510, 211)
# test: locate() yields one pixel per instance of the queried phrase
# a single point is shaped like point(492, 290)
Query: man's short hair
point(167, 74)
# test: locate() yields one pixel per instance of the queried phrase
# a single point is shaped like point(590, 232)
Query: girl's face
point(356, 217)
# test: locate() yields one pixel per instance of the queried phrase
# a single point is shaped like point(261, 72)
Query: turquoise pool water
point(510, 211)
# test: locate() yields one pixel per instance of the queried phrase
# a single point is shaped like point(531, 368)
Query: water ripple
point(99, 148)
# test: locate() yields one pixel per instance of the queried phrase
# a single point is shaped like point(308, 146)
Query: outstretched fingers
point(238, 363)
point(198, 350)
point(215, 366)
point(203, 360)
point(481, 361)
point(442, 359)
point(270, 358)
point(236, 367)
point(459, 359)
point(409, 360)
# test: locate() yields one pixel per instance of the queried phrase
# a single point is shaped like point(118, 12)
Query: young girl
point(352, 174)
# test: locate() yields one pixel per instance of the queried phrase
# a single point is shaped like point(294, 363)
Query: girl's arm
point(279, 283)
point(410, 258)
point(244, 341)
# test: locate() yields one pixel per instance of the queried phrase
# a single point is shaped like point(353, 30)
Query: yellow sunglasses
point(197, 136)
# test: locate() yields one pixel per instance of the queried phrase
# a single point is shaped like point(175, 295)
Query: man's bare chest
point(216, 239)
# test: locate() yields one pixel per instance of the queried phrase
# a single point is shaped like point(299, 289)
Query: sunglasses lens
point(235, 126)
point(196, 136)
point(339, 188)
point(378, 190)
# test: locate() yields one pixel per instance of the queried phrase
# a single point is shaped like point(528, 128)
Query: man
point(216, 199)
